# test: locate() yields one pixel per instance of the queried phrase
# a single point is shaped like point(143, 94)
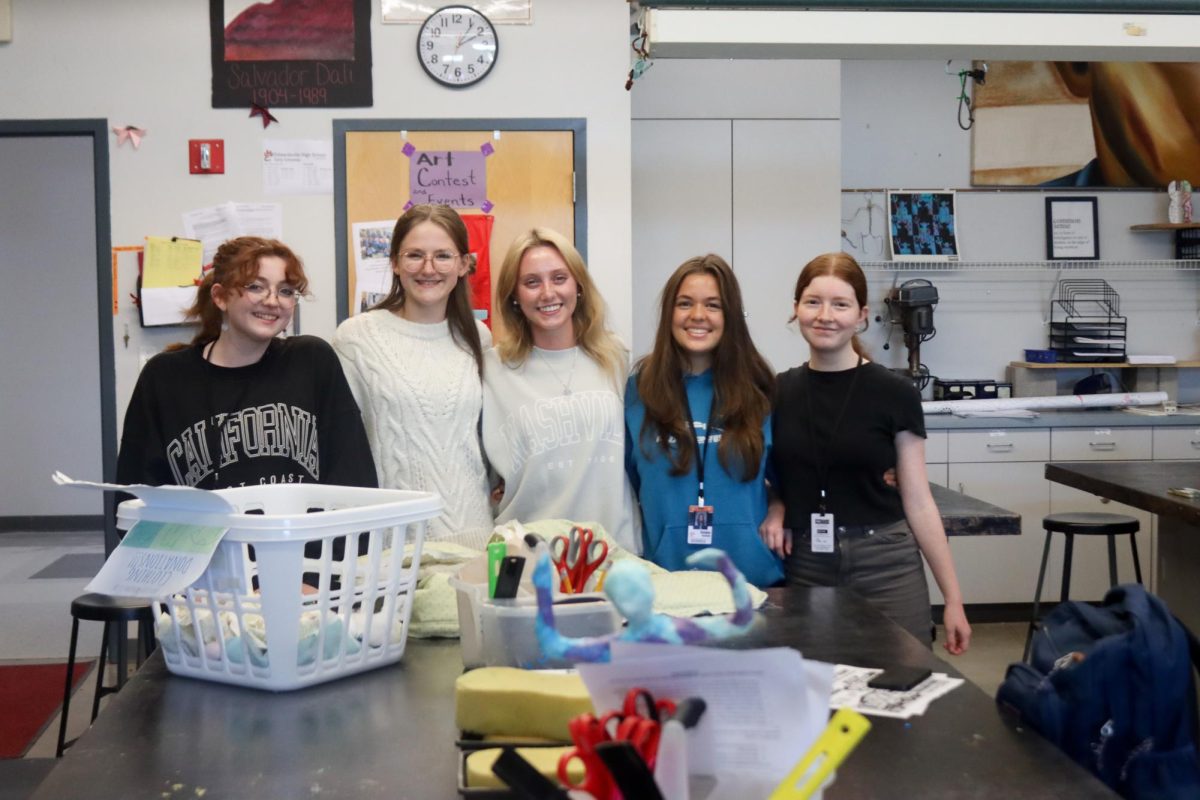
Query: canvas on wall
point(1078, 123)
point(284, 54)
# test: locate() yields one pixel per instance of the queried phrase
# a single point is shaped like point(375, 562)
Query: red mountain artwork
point(292, 30)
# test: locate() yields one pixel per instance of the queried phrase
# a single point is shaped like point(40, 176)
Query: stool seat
point(1081, 523)
point(119, 611)
point(105, 608)
point(1090, 523)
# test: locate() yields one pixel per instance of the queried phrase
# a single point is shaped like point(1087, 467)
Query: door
point(57, 412)
point(532, 175)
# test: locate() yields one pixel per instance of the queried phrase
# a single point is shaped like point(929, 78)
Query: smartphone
point(899, 679)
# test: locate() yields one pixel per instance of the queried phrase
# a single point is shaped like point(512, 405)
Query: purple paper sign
point(454, 178)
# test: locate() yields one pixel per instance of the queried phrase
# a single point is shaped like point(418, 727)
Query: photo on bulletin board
point(922, 226)
point(1072, 229)
point(283, 54)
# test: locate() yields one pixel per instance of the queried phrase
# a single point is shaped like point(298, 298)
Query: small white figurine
point(1174, 206)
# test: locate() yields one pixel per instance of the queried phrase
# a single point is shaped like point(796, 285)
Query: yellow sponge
point(543, 759)
point(518, 702)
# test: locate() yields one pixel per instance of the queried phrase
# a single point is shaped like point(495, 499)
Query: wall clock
point(457, 46)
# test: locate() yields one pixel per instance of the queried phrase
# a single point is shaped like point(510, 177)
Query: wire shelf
point(1166, 265)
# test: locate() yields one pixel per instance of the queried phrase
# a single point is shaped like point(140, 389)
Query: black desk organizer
point(1086, 323)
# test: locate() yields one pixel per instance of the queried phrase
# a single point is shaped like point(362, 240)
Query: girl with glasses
point(553, 426)
point(414, 364)
point(697, 422)
point(239, 405)
point(849, 455)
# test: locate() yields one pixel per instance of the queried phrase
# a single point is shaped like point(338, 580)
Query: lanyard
point(819, 462)
point(701, 454)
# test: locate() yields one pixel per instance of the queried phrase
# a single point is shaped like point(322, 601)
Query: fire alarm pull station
point(206, 156)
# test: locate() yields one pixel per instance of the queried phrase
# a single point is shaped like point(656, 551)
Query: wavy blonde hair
point(591, 332)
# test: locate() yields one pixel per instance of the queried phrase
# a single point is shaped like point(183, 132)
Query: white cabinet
point(1000, 569)
point(1089, 573)
point(1100, 444)
point(1176, 444)
point(1007, 468)
point(1003, 467)
point(936, 448)
point(999, 445)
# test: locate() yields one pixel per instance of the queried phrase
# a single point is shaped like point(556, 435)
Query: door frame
point(97, 129)
point(341, 127)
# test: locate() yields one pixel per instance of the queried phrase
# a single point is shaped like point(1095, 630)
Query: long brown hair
point(837, 265)
point(459, 315)
point(591, 331)
point(743, 383)
point(234, 266)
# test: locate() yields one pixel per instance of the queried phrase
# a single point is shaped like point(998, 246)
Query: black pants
point(880, 562)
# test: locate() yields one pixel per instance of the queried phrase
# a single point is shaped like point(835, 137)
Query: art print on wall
point(922, 226)
point(285, 54)
point(1081, 123)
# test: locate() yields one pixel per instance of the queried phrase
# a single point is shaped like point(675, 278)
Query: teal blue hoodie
point(738, 507)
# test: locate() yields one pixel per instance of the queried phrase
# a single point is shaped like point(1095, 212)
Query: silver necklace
point(566, 385)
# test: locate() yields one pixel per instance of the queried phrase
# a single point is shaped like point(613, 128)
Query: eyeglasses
point(259, 292)
point(442, 260)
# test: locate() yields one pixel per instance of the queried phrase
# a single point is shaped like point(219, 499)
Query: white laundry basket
point(270, 632)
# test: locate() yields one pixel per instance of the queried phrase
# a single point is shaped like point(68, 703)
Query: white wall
point(146, 63)
point(899, 130)
point(740, 158)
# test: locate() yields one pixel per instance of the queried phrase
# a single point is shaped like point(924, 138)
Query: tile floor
point(41, 573)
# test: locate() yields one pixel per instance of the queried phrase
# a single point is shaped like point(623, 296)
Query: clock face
point(457, 46)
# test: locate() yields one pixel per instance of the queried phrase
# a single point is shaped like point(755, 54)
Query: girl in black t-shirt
point(849, 464)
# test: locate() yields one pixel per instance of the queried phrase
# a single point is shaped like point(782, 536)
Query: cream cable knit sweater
point(420, 397)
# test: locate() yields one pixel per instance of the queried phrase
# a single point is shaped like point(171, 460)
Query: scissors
point(577, 556)
point(639, 722)
point(586, 731)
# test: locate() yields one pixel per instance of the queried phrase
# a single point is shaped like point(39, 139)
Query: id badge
point(822, 533)
point(700, 522)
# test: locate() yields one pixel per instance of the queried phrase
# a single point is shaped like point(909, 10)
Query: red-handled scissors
point(639, 722)
point(586, 731)
point(577, 556)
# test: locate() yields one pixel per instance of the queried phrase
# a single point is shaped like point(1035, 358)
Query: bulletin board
point(535, 176)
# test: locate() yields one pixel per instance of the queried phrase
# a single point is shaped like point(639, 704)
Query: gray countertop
point(1139, 485)
point(1075, 418)
point(963, 515)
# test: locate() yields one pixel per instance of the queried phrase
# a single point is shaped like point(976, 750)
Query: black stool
point(1082, 523)
point(109, 610)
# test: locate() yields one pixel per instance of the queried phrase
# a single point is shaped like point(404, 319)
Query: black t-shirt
point(857, 455)
point(289, 418)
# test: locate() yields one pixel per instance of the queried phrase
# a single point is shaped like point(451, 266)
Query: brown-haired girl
point(414, 364)
point(239, 405)
point(841, 424)
point(697, 422)
point(553, 427)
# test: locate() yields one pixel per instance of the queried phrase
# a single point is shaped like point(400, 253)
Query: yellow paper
point(171, 262)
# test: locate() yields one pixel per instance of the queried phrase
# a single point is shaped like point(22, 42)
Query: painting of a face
point(1087, 124)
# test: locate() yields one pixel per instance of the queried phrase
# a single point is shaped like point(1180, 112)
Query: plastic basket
point(358, 548)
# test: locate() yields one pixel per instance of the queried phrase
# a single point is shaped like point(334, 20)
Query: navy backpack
point(1112, 687)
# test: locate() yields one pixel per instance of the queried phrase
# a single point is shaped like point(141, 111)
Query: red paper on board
point(479, 237)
